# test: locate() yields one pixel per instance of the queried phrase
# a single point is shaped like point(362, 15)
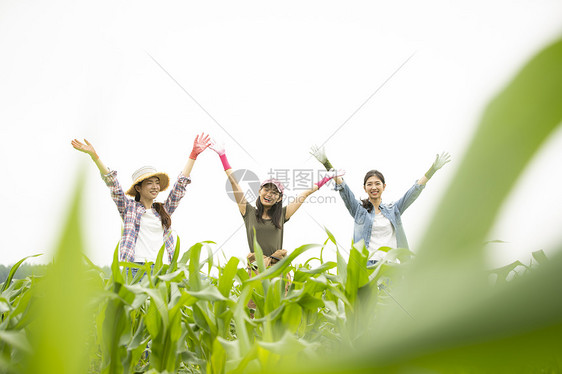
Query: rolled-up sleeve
point(176, 193)
point(409, 197)
point(351, 203)
point(116, 191)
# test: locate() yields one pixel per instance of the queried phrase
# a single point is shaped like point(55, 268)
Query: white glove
point(320, 154)
point(217, 147)
point(440, 161)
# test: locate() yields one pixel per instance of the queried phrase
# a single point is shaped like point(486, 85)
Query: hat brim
point(275, 183)
point(164, 182)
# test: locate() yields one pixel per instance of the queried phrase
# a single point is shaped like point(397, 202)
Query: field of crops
point(179, 319)
point(436, 311)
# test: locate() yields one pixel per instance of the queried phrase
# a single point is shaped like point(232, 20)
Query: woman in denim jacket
point(376, 223)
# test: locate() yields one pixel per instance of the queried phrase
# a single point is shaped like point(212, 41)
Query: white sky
point(278, 77)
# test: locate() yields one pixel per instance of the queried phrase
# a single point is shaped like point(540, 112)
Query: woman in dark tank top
point(268, 217)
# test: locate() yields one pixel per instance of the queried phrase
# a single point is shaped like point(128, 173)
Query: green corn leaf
point(292, 317)
point(342, 267)
point(194, 275)
point(540, 257)
point(282, 265)
point(322, 250)
point(287, 345)
point(210, 293)
point(115, 271)
point(331, 237)
point(159, 258)
point(273, 297)
point(209, 259)
point(161, 306)
point(514, 125)
point(226, 280)
point(16, 339)
point(303, 274)
point(12, 272)
point(114, 328)
point(308, 301)
point(217, 361)
point(357, 275)
point(174, 263)
point(61, 327)
point(185, 257)
point(259, 254)
point(174, 277)
point(503, 272)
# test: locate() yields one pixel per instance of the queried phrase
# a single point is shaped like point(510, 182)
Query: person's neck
point(376, 202)
point(147, 203)
point(265, 212)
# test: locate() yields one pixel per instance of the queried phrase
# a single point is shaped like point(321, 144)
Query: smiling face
point(149, 188)
point(269, 195)
point(374, 187)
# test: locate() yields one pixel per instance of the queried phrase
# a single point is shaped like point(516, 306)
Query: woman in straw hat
point(146, 223)
point(269, 216)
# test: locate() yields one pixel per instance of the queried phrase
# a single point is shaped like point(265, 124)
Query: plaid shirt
point(131, 212)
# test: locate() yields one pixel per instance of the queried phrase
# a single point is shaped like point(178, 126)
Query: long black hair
point(160, 209)
point(274, 212)
point(366, 202)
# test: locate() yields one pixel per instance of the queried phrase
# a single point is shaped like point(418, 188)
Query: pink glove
point(200, 143)
point(219, 148)
point(331, 174)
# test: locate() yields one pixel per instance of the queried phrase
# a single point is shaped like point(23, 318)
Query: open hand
point(441, 160)
point(201, 143)
point(319, 153)
point(217, 147)
point(87, 148)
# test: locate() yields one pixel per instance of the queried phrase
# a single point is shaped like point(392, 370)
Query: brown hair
point(274, 212)
point(371, 173)
point(159, 208)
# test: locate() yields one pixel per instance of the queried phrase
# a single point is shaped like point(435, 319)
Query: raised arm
point(177, 192)
point(320, 154)
point(238, 193)
point(108, 176)
point(88, 148)
point(440, 161)
point(295, 205)
point(351, 203)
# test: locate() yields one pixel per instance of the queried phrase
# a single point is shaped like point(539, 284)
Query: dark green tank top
point(269, 237)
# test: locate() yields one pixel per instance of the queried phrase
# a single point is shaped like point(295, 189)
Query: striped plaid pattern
point(131, 212)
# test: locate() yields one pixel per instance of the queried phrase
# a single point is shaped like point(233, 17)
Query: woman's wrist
point(328, 165)
point(323, 181)
point(428, 174)
point(225, 163)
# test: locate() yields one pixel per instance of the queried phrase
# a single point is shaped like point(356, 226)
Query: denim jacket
point(393, 211)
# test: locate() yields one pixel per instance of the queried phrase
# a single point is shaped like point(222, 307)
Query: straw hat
point(148, 172)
